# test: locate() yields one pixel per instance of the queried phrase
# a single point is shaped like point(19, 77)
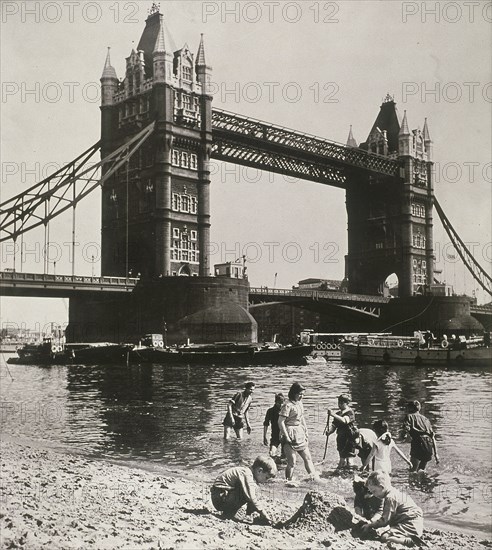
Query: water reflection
point(173, 415)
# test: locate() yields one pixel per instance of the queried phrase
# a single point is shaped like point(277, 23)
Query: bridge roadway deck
point(60, 286)
point(270, 294)
point(369, 304)
point(65, 286)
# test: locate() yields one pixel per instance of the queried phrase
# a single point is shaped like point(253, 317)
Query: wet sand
point(57, 500)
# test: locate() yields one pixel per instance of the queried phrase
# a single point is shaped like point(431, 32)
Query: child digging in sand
point(398, 511)
point(237, 487)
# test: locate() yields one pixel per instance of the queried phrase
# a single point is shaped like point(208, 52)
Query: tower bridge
point(158, 135)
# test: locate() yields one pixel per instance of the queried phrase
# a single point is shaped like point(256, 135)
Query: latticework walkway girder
point(248, 155)
point(256, 143)
point(63, 189)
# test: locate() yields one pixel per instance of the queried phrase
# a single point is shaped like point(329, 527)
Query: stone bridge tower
point(155, 211)
point(390, 227)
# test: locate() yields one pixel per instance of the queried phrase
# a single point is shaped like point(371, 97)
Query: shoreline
point(56, 499)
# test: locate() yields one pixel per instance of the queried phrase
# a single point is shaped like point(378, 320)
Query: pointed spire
point(404, 131)
point(350, 140)
point(426, 131)
point(108, 71)
point(200, 56)
point(160, 43)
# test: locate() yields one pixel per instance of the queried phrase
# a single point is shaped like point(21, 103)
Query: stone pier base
point(201, 309)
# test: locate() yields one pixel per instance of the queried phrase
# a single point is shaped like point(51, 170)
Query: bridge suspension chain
point(477, 271)
point(57, 193)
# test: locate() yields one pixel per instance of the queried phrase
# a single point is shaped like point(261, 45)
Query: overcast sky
point(317, 67)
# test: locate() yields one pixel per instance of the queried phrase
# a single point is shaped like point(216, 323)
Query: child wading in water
point(344, 425)
point(237, 487)
point(271, 418)
point(294, 432)
point(381, 449)
point(398, 511)
point(237, 417)
point(423, 444)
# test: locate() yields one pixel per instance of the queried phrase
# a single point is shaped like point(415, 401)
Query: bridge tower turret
point(109, 87)
point(390, 224)
point(156, 209)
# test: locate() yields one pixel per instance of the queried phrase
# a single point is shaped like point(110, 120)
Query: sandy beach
point(56, 500)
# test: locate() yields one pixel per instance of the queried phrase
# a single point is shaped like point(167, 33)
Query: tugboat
point(51, 351)
point(54, 350)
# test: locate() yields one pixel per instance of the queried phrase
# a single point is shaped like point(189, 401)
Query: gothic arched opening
point(185, 271)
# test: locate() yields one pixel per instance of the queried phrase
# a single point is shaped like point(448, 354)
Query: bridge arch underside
point(372, 274)
point(288, 318)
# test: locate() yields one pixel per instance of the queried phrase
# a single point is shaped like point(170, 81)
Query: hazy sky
point(316, 67)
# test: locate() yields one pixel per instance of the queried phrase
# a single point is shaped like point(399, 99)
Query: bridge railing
point(485, 308)
point(67, 279)
point(318, 294)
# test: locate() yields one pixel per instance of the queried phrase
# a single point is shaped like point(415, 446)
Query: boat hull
point(85, 354)
point(477, 356)
point(126, 354)
point(101, 355)
point(40, 360)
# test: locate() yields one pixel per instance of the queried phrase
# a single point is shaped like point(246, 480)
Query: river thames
point(169, 418)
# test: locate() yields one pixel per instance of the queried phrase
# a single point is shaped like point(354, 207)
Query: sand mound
point(320, 511)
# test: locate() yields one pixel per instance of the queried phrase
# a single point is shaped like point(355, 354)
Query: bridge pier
point(440, 314)
point(202, 309)
point(401, 316)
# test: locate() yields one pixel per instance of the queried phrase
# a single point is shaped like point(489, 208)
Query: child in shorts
point(423, 446)
point(237, 486)
point(344, 425)
point(271, 419)
point(398, 511)
point(236, 417)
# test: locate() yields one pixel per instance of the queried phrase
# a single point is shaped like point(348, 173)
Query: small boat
point(223, 353)
point(328, 344)
point(51, 353)
point(404, 350)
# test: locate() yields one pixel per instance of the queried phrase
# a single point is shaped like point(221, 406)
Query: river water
point(170, 418)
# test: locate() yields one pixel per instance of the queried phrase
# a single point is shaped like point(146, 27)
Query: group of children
point(289, 436)
point(374, 446)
